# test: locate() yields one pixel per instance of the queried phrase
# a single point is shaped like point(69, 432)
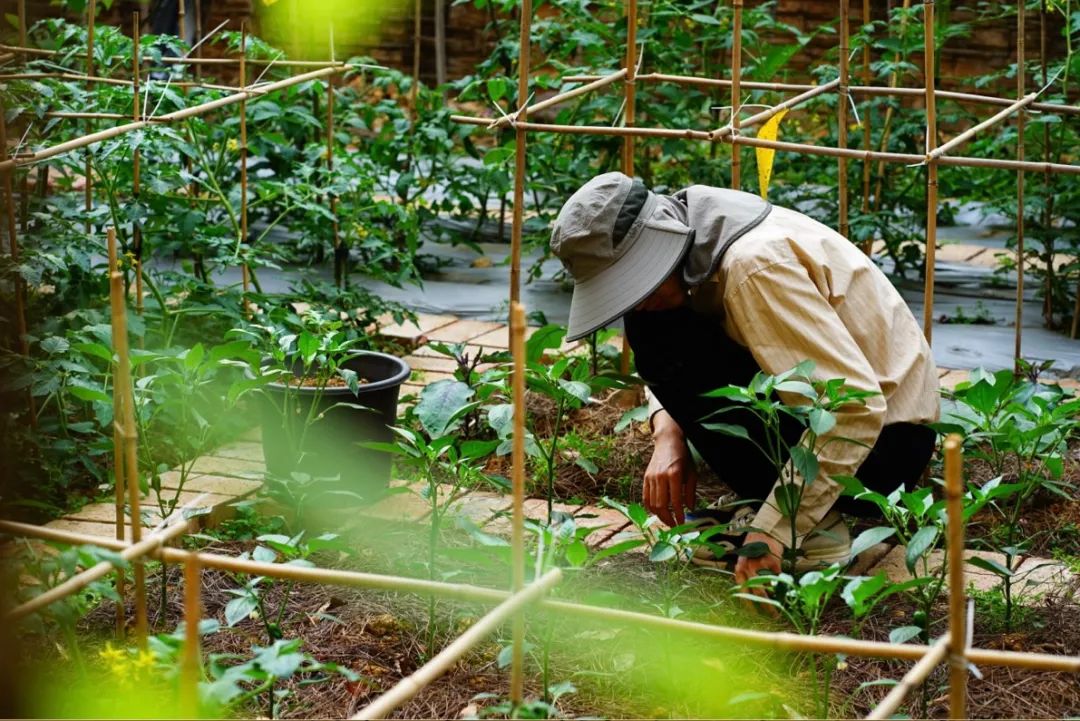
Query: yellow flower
point(145, 661)
point(233, 145)
point(268, 3)
point(112, 655)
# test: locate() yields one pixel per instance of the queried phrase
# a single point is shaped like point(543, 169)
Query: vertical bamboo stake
point(91, 12)
point(340, 263)
point(886, 126)
point(415, 89)
point(120, 486)
point(22, 23)
point(1021, 70)
point(190, 670)
point(736, 92)
point(440, 43)
point(126, 425)
point(517, 539)
point(954, 492)
point(245, 273)
point(136, 228)
point(181, 18)
point(865, 119)
point(13, 249)
point(931, 170)
point(842, 117)
point(524, 51)
point(628, 118)
point(198, 37)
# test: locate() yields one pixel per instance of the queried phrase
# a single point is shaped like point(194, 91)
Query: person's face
point(668, 296)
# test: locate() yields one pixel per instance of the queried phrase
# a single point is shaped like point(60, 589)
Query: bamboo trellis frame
point(952, 646)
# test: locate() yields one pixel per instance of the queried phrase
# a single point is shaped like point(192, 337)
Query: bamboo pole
point(780, 641)
point(190, 670)
point(842, 118)
point(1017, 107)
point(88, 200)
point(244, 271)
point(132, 553)
point(867, 78)
point(1021, 72)
point(125, 426)
point(914, 678)
point(411, 685)
point(232, 62)
point(736, 91)
point(903, 158)
point(65, 115)
point(629, 113)
point(183, 114)
point(954, 495)
point(118, 82)
point(136, 113)
point(181, 18)
point(415, 88)
point(931, 170)
point(788, 104)
point(606, 80)
point(341, 264)
point(517, 539)
point(22, 22)
point(876, 90)
point(19, 284)
point(520, 140)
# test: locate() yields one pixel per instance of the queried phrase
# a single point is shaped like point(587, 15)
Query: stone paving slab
point(481, 507)
point(439, 364)
point(606, 522)
point(407, 506)
point(413, 333)
point(1038, 576)
point(242, 450)
point(894, 568)
point(90, 528)
point(244, 468)
point(220, 485)
point(95, 512)
point(868, 559)
point(463, 331)
point(423, 378)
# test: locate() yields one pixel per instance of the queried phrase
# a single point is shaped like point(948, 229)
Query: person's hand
point(670, 479)
point(747, 568)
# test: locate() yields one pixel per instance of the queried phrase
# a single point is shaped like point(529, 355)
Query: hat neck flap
point(719, 217)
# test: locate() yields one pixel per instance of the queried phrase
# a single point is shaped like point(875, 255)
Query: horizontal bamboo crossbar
point(94, 573)
point(781, 641)
point(858, 89)
point(971, 132)
point(914, 678)
point(561, 98)
point(255, 61)
point(866, 155)
point(111, 81)
point(413, 684)
point(764, 115)
point(183, 114)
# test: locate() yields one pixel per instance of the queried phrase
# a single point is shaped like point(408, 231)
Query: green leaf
point(239, 608)
point(546, 338)
point(441, 404)
point(577, 553)
point(705, 19)
point(54, 344)
point(870, 537)
point(577, 389)
point(821, 421)
point(615, 550)
point(89, 394)
point(903, 634)
point(496, 88)
point(920, 543)
point(799, 388)
point(727, 429)
point(662, 551)
point(989, 564)
point(262, 554)
point(634, 415)
point(307, 345)
point(806, 463)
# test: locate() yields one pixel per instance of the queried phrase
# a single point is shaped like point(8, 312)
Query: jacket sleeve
point(784, 319)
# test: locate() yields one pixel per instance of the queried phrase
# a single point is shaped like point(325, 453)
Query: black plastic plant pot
point(338, 426)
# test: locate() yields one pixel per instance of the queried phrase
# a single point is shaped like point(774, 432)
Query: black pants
point(682, 354)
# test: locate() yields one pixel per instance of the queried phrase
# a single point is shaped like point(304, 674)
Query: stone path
point(234, 472)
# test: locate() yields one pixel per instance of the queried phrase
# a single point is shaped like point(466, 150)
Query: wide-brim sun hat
point(618, 245)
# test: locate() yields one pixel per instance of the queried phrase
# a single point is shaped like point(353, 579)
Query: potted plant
point(321, 398)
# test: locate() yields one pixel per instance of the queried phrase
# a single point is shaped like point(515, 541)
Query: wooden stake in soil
point(842, 118)
point(191, 669)
point(415, 88)
point(914, 678)
point(22, 22)
point(136, 226)
point(628, 121)
point(1021, 71)
point(931, 170)
point(127, 429)
point(524, 51)
point(954, 499)
point(245, 273)
point(868, 244)
point(736, 92)
point(341, 255)
point(517, 477)
point(13, 249)
point(91, 14)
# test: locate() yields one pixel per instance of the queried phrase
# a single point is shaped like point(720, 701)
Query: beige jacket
point(792, 289)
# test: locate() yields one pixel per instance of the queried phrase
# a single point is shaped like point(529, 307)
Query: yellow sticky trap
point(769, 131)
